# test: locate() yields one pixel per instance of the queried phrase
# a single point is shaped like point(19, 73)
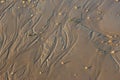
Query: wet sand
point(59, 40)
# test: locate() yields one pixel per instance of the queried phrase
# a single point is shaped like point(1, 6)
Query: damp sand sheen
point(59, 40)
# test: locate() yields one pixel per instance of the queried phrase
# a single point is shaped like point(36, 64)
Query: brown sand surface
point(59, 40)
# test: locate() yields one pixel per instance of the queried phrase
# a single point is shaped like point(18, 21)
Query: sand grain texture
point(59, 40)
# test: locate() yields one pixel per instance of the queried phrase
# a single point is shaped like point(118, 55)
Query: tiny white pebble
point(112, 52)
point(11, 73)
point(76, 7)
point(31, 15)
point(109, 41)
point(2, 1)
point(88, 17)
point(109, 36)
point(47, 60)
point(56, 24)
point(60, 14)
point(40, 72)
point(62, 62)
point(117, 0)
point(86, 10)
point(23, 2)
point(86, 67)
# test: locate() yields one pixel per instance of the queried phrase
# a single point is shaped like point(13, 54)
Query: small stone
point(57, 24)
point(76, 7)
point(47, 60)
point(11, 73)
point(31, 15)
point(40, 72)
point(117, 0)
point(62, 62)
point(88, 17)
point(23, 2)
point(86, 10)
point(117, 44)
point(18, 7)
point(60, 14)
point(86, 67)
point(112, 52)
point(109, 36)
point(109, 41)
point(2, 1)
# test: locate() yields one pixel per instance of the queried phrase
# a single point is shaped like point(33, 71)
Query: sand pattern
point(59, 40)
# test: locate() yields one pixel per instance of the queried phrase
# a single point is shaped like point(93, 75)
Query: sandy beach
point(59, 40)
